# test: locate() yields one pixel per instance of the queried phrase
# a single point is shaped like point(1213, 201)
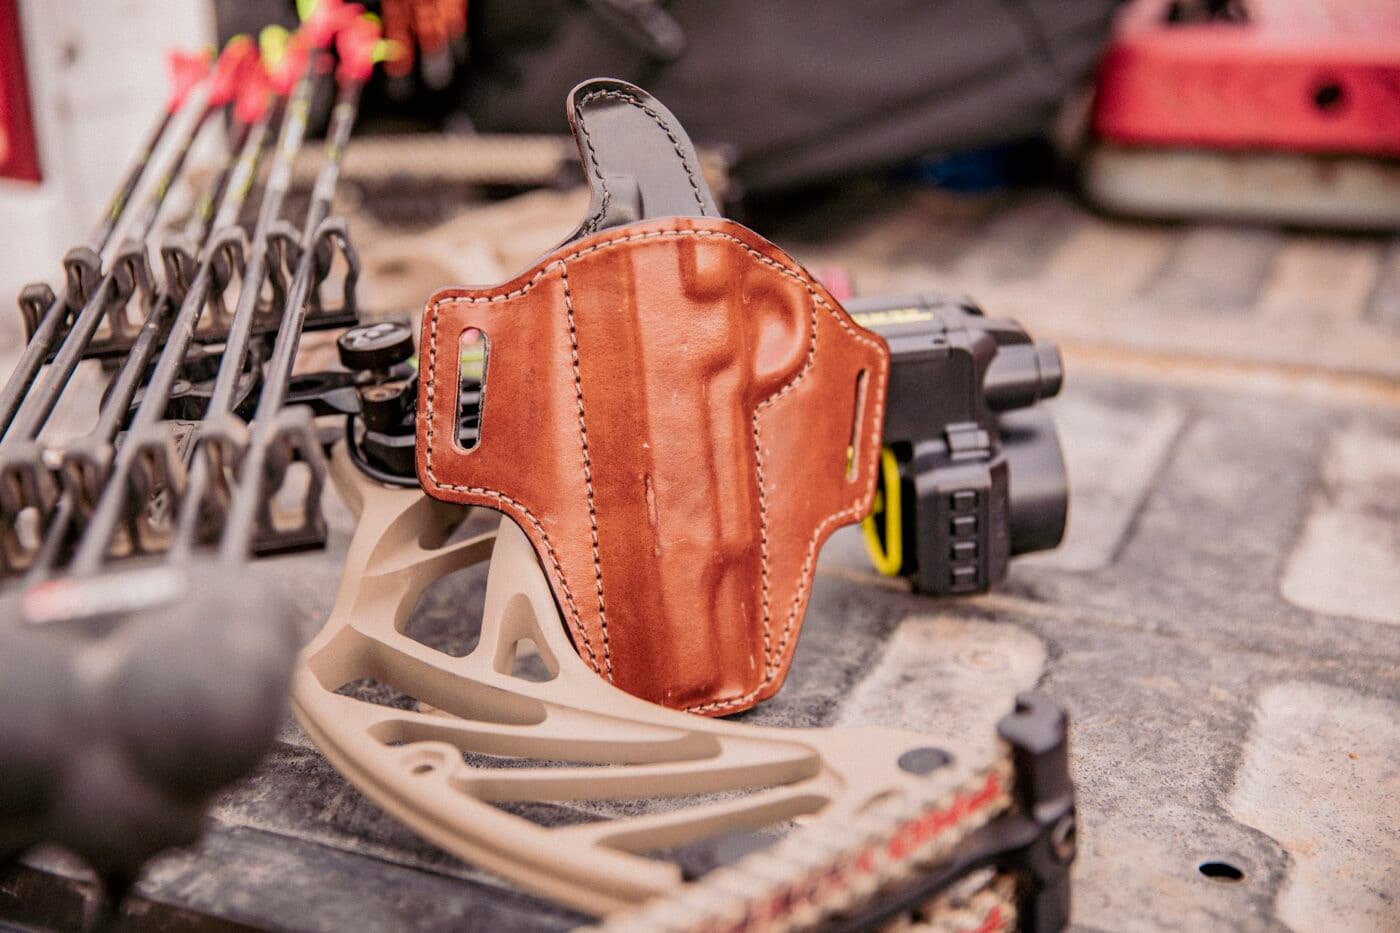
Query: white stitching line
point(854, 509)
point(591, 224)
point(593, 155)
point(587, 468)
point(763, 516)
point(519, 507)
point(808, 564)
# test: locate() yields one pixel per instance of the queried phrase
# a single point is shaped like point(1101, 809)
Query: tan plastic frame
point(843, 785)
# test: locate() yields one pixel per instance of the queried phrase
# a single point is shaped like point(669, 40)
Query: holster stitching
point(513, 505)
point(858, 506)
point(591, 225)
point(587, 469)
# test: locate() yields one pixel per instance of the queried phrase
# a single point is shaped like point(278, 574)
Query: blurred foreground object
point(1254, 109)
point(799, 92)
point(138, 673)
point(430, 32)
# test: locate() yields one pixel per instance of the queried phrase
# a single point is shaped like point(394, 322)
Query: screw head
point(924, 760)
point(377, 346)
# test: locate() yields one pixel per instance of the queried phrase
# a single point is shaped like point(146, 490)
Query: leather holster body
point(678, 416)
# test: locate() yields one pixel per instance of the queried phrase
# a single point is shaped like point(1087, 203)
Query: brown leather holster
point(678, 416)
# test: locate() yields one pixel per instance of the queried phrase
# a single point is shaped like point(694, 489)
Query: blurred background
point(1196, 177)
point(1198, 200)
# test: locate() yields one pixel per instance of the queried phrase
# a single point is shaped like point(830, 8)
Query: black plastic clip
point(1038, 733)
point(134, 279)
point(1034, 841)
point(227, 254)
point(283, 256)
point(82, 270)
point(299, 525)
point(35, 301)
point(179, 258)
point(28, 495)
point(332, 237)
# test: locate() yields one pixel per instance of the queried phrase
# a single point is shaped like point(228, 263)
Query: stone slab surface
point(1322, 775)
point(1347, 560)
point(1278, 298)
point(1209, 711)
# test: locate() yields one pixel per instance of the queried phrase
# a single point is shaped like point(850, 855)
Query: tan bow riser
point(574, 738)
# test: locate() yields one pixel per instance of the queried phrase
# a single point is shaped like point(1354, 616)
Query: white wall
point(96, 73)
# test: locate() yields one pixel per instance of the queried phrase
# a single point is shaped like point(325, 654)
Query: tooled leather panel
point(667, 414)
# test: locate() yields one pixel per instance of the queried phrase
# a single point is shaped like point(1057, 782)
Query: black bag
point(798, 91)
